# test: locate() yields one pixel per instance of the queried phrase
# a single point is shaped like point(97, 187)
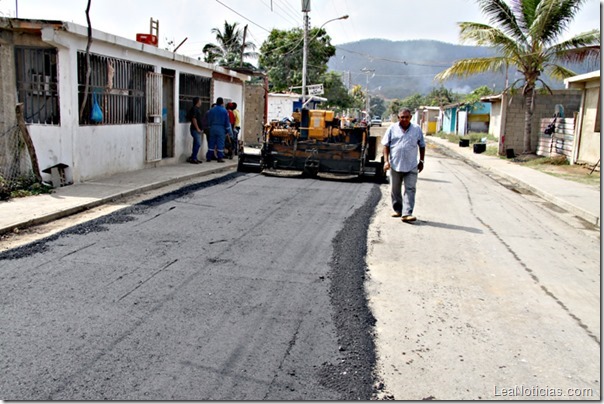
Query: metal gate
point(154, 124)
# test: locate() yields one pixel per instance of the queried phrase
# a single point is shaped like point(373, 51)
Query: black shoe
point(220, 160)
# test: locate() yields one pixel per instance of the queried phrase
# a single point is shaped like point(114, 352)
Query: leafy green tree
point(396, 105)
point(358, 96)
point(378, 106)
point(526, 36)
point(477, 94)
point(281, 57)
point(227, 51)
point(335, 92)
point(441, 96)
point(413, 102)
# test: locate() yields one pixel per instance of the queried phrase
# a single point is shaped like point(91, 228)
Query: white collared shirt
point(403, 146)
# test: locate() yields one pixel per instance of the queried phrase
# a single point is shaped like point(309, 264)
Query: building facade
point(587, 145)
point(143, 94)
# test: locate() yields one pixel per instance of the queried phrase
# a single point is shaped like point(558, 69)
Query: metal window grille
point(191, 86)
point(154, 115)
point(37, 84)
point(119, 88)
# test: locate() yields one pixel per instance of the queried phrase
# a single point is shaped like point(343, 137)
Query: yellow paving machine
point(314, 142)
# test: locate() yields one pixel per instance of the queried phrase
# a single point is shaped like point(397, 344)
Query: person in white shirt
point(401, 144)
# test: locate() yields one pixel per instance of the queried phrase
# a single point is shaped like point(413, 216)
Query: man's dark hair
point(219, 101)
point(196, 100)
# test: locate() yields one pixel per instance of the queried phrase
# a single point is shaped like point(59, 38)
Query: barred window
point(191, 86)
point(118, 87)
point(37, 84)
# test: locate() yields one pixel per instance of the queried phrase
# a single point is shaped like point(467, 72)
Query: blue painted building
point(462, 118)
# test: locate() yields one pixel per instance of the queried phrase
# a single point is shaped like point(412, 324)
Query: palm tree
point(228, 50)
point(525, 35)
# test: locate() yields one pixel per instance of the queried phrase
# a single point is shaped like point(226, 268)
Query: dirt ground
point(576, 172)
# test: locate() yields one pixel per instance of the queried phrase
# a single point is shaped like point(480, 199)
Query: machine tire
point(240, 167)
point(310, 172)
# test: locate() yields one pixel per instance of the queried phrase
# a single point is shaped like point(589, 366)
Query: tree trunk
point(28, 142)
point(529, 98)
point(87, 82)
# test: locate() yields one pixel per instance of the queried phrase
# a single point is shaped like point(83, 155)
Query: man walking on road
point(401, 143)
point(218, 126)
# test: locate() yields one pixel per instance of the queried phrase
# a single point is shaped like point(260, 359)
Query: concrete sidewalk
point(579, 199)
point(34, 210)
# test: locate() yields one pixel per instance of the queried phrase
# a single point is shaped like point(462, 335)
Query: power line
point(290, 11)
point(283, 16)
point(355, 75)
point(242, 16)
point(441, 64)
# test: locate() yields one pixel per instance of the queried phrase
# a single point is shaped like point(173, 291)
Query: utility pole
point(305, 10)
point(367, 73)
point(502, 117)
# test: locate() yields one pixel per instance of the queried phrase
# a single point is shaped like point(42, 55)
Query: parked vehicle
point(376, 121)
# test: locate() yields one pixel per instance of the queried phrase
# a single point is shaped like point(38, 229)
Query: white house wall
point(234, 93)
point(94, 151)
point(228, 91)
point(589, 145)
point(495, 119)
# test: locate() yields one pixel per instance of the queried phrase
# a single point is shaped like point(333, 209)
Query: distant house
point(587, 124)
point(448, 118)
point(143, 92)
point(462, 118)
point(427, 118)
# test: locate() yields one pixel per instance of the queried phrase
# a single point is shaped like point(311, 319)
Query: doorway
point(168, 121)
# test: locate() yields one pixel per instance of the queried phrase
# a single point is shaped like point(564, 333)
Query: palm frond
point(582, 48)
point(590, 40)
point(559, 72)
point(500, 14)
point(486, 35)
point(552, 19)
point(525, 12)
point(545, 86)
point(468, 67)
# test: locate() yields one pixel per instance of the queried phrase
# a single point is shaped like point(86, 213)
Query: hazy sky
point(194, 19)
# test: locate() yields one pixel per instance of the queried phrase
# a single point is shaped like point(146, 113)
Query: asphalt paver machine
point(315, 142)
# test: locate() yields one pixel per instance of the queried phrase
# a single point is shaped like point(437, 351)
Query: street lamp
point(306, 10)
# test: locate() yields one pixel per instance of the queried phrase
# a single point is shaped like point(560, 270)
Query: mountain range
point(398, 69)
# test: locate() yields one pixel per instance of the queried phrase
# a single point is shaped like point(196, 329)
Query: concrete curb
point(49, 217)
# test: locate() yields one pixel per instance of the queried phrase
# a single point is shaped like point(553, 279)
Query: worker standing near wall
point(195, 116)
point(219, 127)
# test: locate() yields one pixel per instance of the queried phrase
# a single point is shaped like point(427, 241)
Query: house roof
point(491, 98)
point(285, 95)
point(579, 80)
point(295, 96)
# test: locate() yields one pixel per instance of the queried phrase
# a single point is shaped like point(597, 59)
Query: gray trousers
point(403, 203)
